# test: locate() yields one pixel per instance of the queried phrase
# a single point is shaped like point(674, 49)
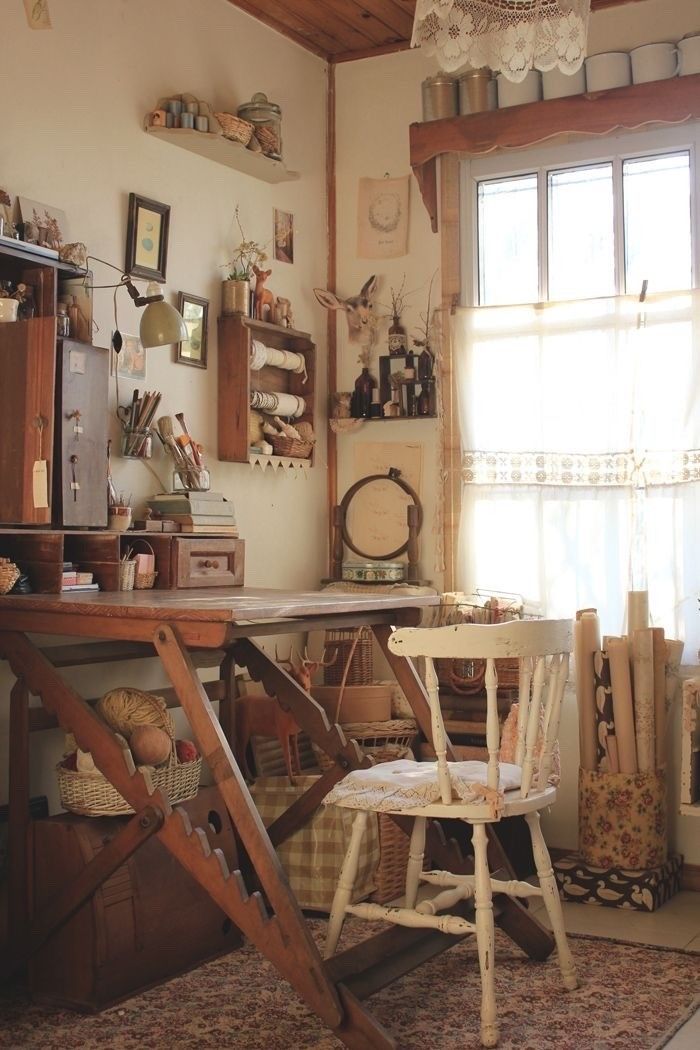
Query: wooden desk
point(260, 903)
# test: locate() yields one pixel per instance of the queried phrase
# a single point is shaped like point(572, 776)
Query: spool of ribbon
point(278, 404)
point(261, 355)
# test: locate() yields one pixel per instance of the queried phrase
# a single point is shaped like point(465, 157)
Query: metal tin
point(374, 571)
point(266, 117)
point(439, 95)
point(474, 93)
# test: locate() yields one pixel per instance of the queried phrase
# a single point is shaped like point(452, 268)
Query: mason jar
point(266, 117)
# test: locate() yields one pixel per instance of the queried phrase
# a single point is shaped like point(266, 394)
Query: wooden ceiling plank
point(285, 20)
point(327, 17)
point(357, 15)
point(397, 19)
point(372, 52)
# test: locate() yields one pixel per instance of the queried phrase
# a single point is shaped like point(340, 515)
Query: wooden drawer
point(207, 562)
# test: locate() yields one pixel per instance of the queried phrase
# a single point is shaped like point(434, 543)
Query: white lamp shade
point(161, 324)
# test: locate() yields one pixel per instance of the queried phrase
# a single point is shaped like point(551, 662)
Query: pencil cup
point(119, 518)
point(622, 819)
point(191, 479)
point(137, 444)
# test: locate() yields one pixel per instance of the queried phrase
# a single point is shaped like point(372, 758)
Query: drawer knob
point(208, 564)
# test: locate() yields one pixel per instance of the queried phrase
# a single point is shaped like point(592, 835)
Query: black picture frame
point(147, 238)
point(187, 351)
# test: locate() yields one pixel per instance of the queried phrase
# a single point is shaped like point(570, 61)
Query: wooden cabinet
point(43, 386)
point(237, 382)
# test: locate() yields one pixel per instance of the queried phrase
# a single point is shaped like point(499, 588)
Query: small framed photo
point(147, 239)
point(130, 362)
point(195, 314)
point(284, 236)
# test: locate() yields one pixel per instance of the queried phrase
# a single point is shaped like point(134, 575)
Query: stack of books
point(74, 579)
point(196, 512)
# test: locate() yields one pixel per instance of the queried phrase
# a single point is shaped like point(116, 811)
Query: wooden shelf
point(517, 127)
point(223, 151)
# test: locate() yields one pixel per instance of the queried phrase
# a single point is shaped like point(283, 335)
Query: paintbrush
point(165, 428)
point(180, 416)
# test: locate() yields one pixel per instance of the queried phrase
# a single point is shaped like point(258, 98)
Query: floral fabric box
point(622, 819)
point(618, 887)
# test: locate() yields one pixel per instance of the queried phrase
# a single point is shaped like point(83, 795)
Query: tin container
point(266, 117)
point(440, 97)
point(374, 571)
point(476, 92)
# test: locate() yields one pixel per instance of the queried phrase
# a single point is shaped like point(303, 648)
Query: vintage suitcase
point(148, 922)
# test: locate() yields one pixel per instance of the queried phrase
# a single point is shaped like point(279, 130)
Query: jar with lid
point(440, 97)
point(62, 321)
point(266, 117)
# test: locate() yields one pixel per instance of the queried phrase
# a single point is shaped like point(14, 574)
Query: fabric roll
point(586, 643)
point(642, 647)
point(605, 725)
point(623, 712)
point(659, 643)
point(261, 355)
point(637, 611)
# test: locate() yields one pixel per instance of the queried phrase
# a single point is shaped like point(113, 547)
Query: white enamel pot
point(609, 70)
point(654, 62)
point(689, 55)
point(556, 84)
point(528, 90)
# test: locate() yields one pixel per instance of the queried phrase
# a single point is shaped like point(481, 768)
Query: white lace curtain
point(509, 36)
point(581, 455)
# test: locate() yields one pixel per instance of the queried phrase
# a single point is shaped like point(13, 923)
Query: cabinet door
point(27, 370)
point(80, 474)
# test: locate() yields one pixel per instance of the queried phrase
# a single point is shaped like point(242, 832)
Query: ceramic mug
point(158, 118)
point(654, 62)
point(556, 84)
point(689, 55)
point(608, 70)
point(8, 309)
point(528, 90)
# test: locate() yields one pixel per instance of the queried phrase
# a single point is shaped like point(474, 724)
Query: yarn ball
point(186, 751)
point(149, 745)
point(125, 708)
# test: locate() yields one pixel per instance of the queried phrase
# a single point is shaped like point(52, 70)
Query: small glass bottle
point(424, 401)
point(375, 408)
point(362, 399)
point(396, 337)
point(62, 321)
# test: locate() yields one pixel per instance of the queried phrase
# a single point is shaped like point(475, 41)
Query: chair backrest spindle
point(493, 729)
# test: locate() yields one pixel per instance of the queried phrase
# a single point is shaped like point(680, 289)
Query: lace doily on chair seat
point(509, 36)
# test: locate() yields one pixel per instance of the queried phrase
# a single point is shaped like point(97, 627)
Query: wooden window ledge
point(517, 127)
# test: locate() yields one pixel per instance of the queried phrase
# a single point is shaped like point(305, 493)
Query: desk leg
point(18, 826)
point(515, 920)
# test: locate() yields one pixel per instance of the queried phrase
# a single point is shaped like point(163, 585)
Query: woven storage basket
point(354, 645)
point(9, 574)
point(91, 795)
point(234, 128)
point(285, 446)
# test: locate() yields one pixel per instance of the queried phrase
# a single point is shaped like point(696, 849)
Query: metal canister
point(267, 120)
point(476, 92)
point(439, 95)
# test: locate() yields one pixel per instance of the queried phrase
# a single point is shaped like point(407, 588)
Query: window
point(579, 407)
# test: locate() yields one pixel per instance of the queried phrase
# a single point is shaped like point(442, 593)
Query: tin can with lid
point(439, 94)
point(266, 117)
point(476, 91)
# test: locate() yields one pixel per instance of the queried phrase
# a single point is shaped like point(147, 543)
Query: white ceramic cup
point(689, 55)
point(609, 70)
point(654, 62)
point(556, 84)
point(8, 309)
point(528, 90)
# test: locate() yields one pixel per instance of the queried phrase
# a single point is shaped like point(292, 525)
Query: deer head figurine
point(303, 672)
point(358, 310)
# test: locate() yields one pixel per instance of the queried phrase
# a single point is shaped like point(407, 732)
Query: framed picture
point(195, 314)
point(130, 362)
point(284, 236)
point(147, 239)
point(42, 223)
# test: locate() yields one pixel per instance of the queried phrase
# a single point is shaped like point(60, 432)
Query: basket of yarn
point(144, 727)
point(9, 574)
point(234, 128)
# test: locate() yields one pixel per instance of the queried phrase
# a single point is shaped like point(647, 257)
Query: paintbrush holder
point(137, 444)
point(191, 479)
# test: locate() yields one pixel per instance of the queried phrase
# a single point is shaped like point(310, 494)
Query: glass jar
point(62, 321)
point(137, 444)
point(191, 479)
point(266, 117)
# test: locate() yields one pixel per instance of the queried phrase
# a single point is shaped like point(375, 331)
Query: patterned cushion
point(405, 785)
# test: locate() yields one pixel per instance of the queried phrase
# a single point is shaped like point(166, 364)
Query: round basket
point(234, 128)
point(285, 446)
point(144, 581)
point(384, 741)
point(354, 645)
point(92, 795)
point(9, 574)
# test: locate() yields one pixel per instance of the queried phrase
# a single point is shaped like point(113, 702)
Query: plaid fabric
point(312, 857)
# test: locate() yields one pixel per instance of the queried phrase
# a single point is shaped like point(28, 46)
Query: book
point(214, 497)
point(211, 530)
point(84, 577)
point(81, 587)
point(203, 519)
point(183, 505)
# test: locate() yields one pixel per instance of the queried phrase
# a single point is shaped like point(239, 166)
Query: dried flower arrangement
point(246, 255)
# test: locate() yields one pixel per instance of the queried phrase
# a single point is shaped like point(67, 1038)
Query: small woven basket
point(234, 128)
point(9, 574)
point(127, 575)
point(92, 795)
point(285, 446)
point(384, 741)
point(354, 645)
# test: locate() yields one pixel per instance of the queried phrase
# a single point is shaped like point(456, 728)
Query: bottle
point(397, 337)
point(426, 364)
point(424, 401)
point(74, 318)
point(375, 408)
point(62, 321)
point(362, 398)
point(410, 377)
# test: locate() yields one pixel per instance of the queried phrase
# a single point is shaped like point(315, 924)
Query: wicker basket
point(285, 446)
point(354, 645)
point(92, 795)
point(9, 574)
point(384, 741)
point(144, 581)
point(127, 575)
point(234, 128)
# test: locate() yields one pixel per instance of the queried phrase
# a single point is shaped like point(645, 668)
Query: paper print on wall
point(378, 511)
point(43, 224)
point(284, 236)
point(37, 12)
point(130, 362)
point(382, 218)
point(147, 238)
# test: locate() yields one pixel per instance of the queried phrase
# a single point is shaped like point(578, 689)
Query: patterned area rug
point(631, 997)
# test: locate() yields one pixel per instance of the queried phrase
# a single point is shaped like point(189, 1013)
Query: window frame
point(545, 158)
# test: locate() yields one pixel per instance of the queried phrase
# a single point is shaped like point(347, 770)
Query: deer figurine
point(269, 717)
point(357, 309)
point(264, 299)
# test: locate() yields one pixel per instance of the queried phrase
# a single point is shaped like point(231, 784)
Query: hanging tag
point(40, 484)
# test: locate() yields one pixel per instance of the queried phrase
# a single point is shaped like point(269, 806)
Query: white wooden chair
point(476, 792)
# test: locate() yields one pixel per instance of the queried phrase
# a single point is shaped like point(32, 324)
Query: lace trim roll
point(278, 404)
point(509, 36)
point(261, 355)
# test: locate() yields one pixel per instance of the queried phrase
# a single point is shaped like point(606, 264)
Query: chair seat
point(399, 785)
